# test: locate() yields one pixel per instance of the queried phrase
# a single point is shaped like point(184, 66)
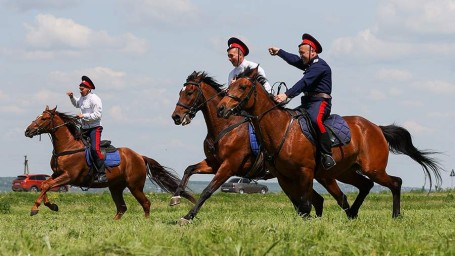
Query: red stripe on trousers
point(98, 141)
point(320, 116)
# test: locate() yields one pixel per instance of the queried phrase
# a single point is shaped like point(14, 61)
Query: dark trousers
point(319, 109)
point(95, 140)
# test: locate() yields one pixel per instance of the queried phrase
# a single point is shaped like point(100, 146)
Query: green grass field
point(228, 224)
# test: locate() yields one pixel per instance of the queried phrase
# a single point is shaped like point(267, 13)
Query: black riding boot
point(100, 176)
point(327, 160)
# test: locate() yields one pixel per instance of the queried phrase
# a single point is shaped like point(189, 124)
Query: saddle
point(110, 153)
point(336, 126)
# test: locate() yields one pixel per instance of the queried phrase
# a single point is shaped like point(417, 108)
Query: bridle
point(42, 129)
point(242, 102)
point(195, 107)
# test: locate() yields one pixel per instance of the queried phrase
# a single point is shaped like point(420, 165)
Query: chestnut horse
point(291, 156)
point(69, 165)
point(228, 152)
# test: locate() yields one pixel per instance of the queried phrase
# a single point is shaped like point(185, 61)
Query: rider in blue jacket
point(316, 86)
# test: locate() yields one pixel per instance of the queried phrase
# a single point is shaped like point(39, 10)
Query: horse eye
point(242, 87)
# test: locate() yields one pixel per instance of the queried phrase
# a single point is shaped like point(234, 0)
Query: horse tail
point(164, 177)
point(400, 141)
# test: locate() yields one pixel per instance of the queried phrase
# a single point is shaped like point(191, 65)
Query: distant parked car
point(243, 185)
point(32, 182)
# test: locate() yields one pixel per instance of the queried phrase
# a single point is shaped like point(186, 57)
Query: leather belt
point(317, 94)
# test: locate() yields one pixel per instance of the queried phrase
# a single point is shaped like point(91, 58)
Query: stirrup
point(327, 161)
point(101, 178)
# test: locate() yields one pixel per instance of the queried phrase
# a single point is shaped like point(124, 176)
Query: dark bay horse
point(69, 165)
point(226, 146)
point(291, 156)
point(228, 151)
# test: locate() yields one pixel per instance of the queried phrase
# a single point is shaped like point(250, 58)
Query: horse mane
point(73, 124)
point(247, 73)
point(201, 76)
point(260, 78)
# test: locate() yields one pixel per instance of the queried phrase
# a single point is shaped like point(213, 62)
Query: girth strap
point(70, 152)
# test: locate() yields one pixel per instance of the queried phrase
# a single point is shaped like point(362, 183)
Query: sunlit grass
point(228, 224)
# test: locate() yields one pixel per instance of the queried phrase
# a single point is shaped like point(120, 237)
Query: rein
point(41, 129)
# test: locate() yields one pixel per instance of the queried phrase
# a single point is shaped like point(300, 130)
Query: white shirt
point(240, 68)
point(91, 109)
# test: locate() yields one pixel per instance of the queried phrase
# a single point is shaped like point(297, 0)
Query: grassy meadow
point(228, 224)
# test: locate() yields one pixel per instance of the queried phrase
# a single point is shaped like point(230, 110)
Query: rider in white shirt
point(236, 53)
point(91, 112)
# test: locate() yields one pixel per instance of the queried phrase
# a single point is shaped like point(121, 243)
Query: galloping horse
point(69, 165)
point(228, 151)
point(226, 146)
point(291, 156)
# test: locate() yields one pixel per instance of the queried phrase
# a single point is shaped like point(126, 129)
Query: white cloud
point(412, 103)
point(394, 91)
point(416, 128)
point(394, 74)
point(435, 86)
point(415, 29)
point(27, 5)
point(417, 16)
point(174, 13)
point(3, 95)
point(99, 75)
point(376, 95)
point(116, 113)
point(50, 34)
point(367, 47)
point(12, 109)
point(443, 115)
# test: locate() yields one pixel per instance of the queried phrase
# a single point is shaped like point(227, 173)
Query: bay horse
point(69, 165)
point(226, 145)
point(292, 157)
point(228, 151)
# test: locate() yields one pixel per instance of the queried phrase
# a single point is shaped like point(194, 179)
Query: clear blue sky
point(392, 62)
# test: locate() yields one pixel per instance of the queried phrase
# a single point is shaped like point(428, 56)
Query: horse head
point(241, 94)
point(44, 123)
point(191, 97)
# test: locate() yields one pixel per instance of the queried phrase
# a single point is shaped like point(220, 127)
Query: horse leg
point(199, 168)
point(332, 187)
point(299, 193)
point(362, 183)
point(117, 196)
point(45, 186)
point(393, 183)
point(318, 202)
point(142, 199)
point(221, 176)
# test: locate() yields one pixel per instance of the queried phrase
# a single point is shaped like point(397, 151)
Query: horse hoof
point(53, 207)
point(175, 200)
point(183, 222)
point(33, 212)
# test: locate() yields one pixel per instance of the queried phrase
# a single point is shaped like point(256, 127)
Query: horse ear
point(47, 108)
point(53, 110)
point(255, 71)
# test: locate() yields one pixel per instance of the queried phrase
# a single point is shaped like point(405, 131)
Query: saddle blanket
point(337, 128)
point(111, 159)
point(253, 140)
